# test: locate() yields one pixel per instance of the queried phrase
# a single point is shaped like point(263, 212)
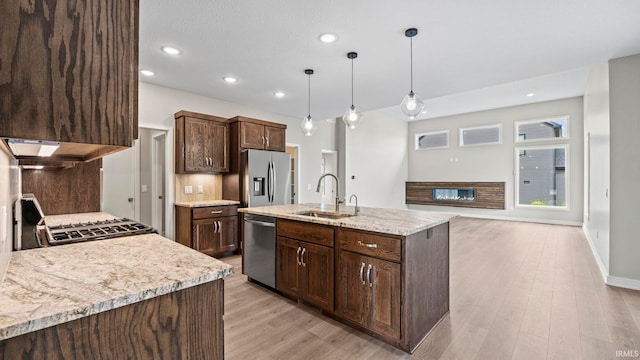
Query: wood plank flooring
point(518, 291)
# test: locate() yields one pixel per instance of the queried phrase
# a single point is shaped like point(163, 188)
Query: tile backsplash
point(210, 186)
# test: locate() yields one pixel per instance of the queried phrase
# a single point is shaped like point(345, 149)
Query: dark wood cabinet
point(368, 293)
point(305, 262)
point(212, 230)
point(69, 73)
point(261, 135)
point(201, 144)
point(247, 133)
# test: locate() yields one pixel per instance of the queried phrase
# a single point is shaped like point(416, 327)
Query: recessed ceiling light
point(146, 72)
point(530, 94)
point(229, 79)
point(328, 38)
point(279, 94)
point(171, 50)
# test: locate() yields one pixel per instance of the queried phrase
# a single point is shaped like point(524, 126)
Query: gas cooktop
point(98, 230)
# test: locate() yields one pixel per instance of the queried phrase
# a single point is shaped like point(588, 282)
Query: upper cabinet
point(201, 143)
point(69, 73)
point(260, 134)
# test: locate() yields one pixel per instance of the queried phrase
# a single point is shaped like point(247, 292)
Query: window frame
point(416, 145)
point(461, 137)
point(567, 177)
point(517, 133)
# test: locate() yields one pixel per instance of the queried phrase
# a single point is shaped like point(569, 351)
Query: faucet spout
point(338, 201)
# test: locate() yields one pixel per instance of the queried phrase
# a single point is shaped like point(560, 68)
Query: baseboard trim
point(623, 282)
point(531, 220)
point(603, 270)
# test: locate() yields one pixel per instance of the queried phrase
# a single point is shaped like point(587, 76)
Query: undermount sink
point(323, 214)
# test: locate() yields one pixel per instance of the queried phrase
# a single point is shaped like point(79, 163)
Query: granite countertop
point(66, 219)
point(204, 203)
point(49, 286)
point(387, 221)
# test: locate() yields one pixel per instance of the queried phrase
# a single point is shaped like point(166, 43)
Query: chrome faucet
point(357, 209)
point(338, 200)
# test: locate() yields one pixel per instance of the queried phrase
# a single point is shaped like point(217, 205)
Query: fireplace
point(480, 195)
point(454, 195)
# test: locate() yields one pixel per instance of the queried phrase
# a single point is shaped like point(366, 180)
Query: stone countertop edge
point(14, 291)
point(205, 203)
point(387, 221)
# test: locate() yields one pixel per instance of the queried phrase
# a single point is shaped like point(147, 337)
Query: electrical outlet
point(188, 189)
point(308, 186)
point(200, 189)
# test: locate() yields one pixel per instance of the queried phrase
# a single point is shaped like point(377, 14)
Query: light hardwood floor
point(518, 291)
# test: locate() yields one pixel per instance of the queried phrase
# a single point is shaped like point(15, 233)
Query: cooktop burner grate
point(98, 230)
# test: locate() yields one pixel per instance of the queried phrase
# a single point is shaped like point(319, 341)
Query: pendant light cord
point(309, 97)
point(351, 82)
point(411, 39)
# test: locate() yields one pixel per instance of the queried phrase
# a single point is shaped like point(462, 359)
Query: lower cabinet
point(368, 293)
point(305, 271)
point(212, 230)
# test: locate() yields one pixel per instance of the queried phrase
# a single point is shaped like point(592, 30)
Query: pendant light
point(352, 117)
point(411, 105)
point(308, 126)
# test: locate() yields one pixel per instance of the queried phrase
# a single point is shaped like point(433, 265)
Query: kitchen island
point(139, 296)
point(382, 271)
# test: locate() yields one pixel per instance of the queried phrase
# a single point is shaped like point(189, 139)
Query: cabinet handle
point(372, 246)
point(369, 275)
point(197, 237)
point(302, 257)
point(220, 231)
point(267, 142)
point(362, 273)
point(216, 211)
point(263, 141)
point(298, 256)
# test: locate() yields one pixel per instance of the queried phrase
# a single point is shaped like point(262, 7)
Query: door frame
point(158, 182)
point(298, 149)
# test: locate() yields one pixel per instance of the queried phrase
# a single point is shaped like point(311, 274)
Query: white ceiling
point(468, 55)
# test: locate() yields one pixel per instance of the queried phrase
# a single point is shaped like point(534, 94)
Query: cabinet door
point(384, 297)
point(251, 135)
point(228, 234)
point(206, 239)
point(316, 280)
point(196, 133)
point(351, 287)
point(287, 263)
point(275, 138)
point(217, 148)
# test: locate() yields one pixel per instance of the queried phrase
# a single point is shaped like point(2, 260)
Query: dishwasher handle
point(261, 223)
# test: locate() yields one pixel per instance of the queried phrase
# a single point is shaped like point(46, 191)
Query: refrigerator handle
point(269, 182)
point(275, 181)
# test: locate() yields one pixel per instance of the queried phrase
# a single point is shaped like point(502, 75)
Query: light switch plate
point(200, 189)
point(188, 189)
point(143, 188)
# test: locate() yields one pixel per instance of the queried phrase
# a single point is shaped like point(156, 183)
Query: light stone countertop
point(204, 203)
point(67, 219)
point(49, 286)
point(387, 221)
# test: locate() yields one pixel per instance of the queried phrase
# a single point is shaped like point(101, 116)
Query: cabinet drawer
point(214, 211)
point(368, 244)
point(313, 233)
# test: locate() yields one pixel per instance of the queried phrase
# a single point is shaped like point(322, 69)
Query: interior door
point(118, 183)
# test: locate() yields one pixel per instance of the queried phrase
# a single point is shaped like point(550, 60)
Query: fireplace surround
point(483, 195)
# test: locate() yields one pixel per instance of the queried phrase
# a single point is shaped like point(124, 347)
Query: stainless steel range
point(97, 230)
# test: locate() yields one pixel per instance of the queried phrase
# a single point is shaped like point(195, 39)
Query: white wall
point(157, 106)
point(596, 129)
point(5, 205)
point(624, 87)
point(376, 156)
point(496, 162)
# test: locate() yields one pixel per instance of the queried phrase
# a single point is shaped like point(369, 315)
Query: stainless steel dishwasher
point(260, 248)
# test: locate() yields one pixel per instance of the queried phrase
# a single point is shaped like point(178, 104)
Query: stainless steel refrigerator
point(266, 182)
point(267, 178)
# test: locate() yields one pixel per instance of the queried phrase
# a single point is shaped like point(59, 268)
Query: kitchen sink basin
point(323, 214)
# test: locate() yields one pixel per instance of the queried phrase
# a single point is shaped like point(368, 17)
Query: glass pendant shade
point(411, 105)
point(308, 126)
point(352, 117)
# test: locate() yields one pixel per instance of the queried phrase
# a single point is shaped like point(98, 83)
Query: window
point(481, 135)
point(542, 176)
point(432, 140)
point(542, 129)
